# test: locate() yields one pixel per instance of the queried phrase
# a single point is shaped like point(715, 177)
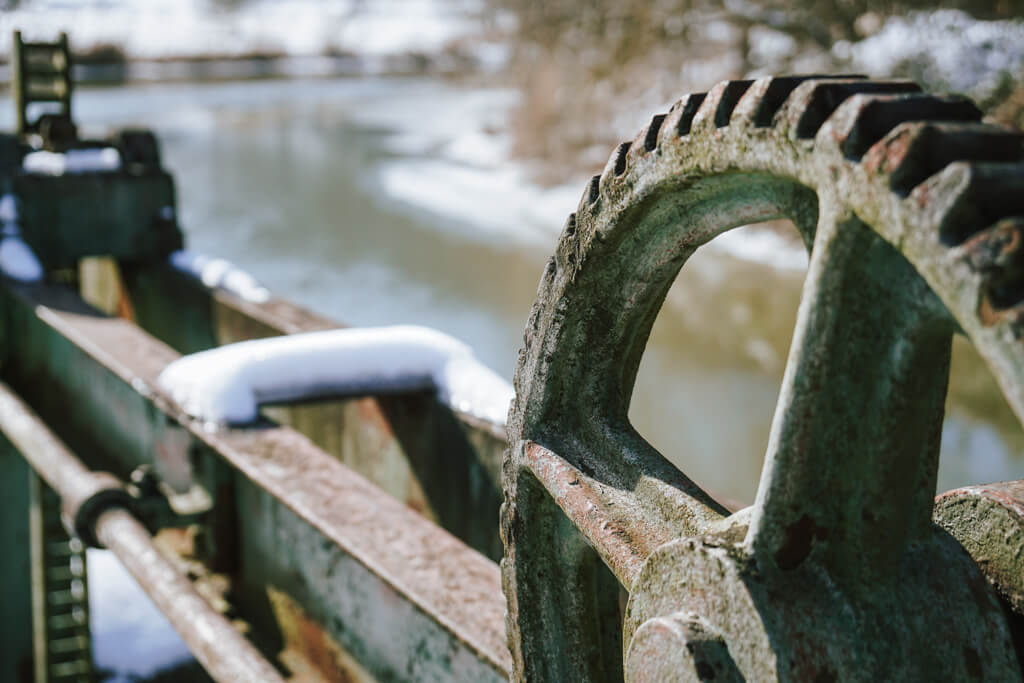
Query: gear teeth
point(569, 249)
point(914, 151)
point(593, 189)
point(997, 254)
point(570, 225)
point(967, 197)
point(864, 119)
point(812, 103)
point(680, 117)
point(615, 166)
point(646, 140)
point(619, 158)
point(764, 98)
point(727, 94)
point(650, 134)
point(1012, 318)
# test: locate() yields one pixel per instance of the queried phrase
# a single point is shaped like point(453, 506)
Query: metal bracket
point(159, 506)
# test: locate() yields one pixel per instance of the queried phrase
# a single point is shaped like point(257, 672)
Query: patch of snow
point(227, 384)
point(768, 46)
point(137, 638)
point(17, 260)
point(217, 272)
point(945, 50)
point(8, 208)
point(103, 159)
point(161, 29)
point(498, 203)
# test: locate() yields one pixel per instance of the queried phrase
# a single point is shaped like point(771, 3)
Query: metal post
point(62, 41)
point(18, 80)
point(15, 575)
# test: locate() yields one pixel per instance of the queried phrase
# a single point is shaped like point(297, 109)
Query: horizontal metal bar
point(404, 597)
point(51, 460)
point(218, 646)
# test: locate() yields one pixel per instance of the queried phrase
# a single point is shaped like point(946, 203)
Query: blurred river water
point(391, 200)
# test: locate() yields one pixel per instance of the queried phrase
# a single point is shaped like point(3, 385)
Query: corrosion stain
point(885, 156)
point(800, 538)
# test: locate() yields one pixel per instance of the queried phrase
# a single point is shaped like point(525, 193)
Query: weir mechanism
point(357, 538)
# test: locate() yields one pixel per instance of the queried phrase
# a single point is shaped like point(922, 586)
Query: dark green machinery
point(73, 207)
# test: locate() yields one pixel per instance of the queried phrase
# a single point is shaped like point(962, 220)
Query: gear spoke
point(852, 459)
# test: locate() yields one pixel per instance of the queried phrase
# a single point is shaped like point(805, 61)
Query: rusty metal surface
point(836, 572)
point(224, 652)
point(988, 520)
point(443, 464)
point(407, 599)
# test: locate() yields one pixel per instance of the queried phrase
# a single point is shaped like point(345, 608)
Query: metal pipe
point(224, 652)
point(50, 458)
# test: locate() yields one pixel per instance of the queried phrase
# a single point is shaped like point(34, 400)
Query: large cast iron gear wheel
point(913, 213)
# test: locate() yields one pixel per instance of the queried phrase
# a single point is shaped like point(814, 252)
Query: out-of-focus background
point(413, 161)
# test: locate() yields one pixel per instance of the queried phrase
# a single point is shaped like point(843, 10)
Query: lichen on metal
point(910, 210)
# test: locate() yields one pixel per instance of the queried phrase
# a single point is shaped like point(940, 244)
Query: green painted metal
point(125, 215)
point(361, 572)
point(60, 594)
point(837, 571)
point(16, 642)
point(41, 74)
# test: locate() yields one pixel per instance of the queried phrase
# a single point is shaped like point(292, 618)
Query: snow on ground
point(228, 384)
point(155, 29)
point(452, 158)
point(945, 49)
point(131, 635)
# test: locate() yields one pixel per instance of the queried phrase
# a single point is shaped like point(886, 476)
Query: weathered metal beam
point(441, 463)
point(405, 598)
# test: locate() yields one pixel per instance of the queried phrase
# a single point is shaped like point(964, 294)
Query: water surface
point(379, 201)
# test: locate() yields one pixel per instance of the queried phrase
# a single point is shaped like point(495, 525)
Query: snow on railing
point(227, 384)
point(88, 160)
point(218, 272)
